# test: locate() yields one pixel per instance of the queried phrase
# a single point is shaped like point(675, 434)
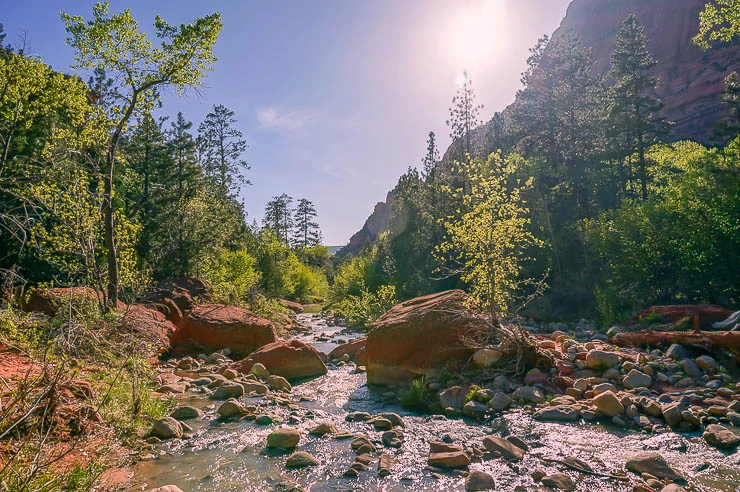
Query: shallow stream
point(232, 456)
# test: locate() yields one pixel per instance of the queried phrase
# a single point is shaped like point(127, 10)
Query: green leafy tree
point(221, 147)
point(489, 238)
point(719, 21)
point(635, 123)
point(306, 232)
point(115, 43)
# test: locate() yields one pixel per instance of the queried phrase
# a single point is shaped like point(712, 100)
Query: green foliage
point(719, 21)
point(489, 237)
point(476, 394)
point(302, 282)
point(418, 398)
point(682, 244)
point(233, 276)
point(363, 309)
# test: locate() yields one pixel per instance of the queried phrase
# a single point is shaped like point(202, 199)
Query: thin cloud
point(273, 119)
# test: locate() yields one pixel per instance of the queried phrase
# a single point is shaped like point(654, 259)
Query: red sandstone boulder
point(149, 325)
point(418, 335)
point(355, 349)
point(706, 314)
point(212, 327)
point(174, 297)
point(290, 359)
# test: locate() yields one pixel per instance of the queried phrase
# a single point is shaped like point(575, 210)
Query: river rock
point(654, 464)
point(486, 357)
point(636, 379)
point(186, 412)
point(231, 408)
point(251, 387)
point(529, 394)
point(419, 335)
point(385, 463)
point(300, 459)
point(706, 363)
point(601, 360)
point(291, 359)
point(355, 349)
point(454, 397)
point(500, 401)
point(691, 368)
point(608, 404)
point(673, 488)
point(167, 428)
point(506, 448)
point(323, 428)
point(559, 481)
point(226, 391)
point(284, 437)
point(278, 383)
point(478, 481)
point(260, 371)
point(721, 437)
point(380, 423)
point(560, 413)
point(215, 327)
point(166, 488)
point(395, 419)
point(392, 438)
point(450, 459)
point(677, 352)
point(672, 413)
point(475, 409)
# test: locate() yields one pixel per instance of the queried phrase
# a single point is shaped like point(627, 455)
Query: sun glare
point(478, 33)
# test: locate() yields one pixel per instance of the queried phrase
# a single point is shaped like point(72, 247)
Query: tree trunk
point(108, 230)
point(707, 340)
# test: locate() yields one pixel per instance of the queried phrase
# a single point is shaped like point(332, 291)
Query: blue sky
point(335, 97)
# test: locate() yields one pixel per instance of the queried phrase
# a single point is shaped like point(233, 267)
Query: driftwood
point(707, 340)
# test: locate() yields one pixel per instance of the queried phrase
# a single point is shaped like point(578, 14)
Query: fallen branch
point(707, 340)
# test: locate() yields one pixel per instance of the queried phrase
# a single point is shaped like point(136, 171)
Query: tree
point(279, 217)
point(633, 113)
point(221, 146)
point(719, 21)
point(463, 118)
point(729, 124)
point(431, 159)
point(490, 240)
point(115, 44)
point(307, 233)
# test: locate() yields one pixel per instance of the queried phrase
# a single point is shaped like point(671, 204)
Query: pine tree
point(728, 126)
point(431, 158)
point(463, 118)
point(279, 217)
point(307, 233)
point(633, 112)
point(221, 147)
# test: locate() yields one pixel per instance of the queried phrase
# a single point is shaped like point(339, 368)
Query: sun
point(478, 32)
point(461, 79)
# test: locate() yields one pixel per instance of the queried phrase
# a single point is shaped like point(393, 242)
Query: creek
point(232, 456)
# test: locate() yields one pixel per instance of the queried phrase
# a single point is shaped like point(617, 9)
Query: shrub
point(418, 398)
point(233, 276)
point(364, 309)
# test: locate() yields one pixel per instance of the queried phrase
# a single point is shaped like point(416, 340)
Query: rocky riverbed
point(256, 432)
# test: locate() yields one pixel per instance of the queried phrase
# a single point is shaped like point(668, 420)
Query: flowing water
point(231, 456)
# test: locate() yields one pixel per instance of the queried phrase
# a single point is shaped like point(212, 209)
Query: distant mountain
point(334, 249)
point(690, 80)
